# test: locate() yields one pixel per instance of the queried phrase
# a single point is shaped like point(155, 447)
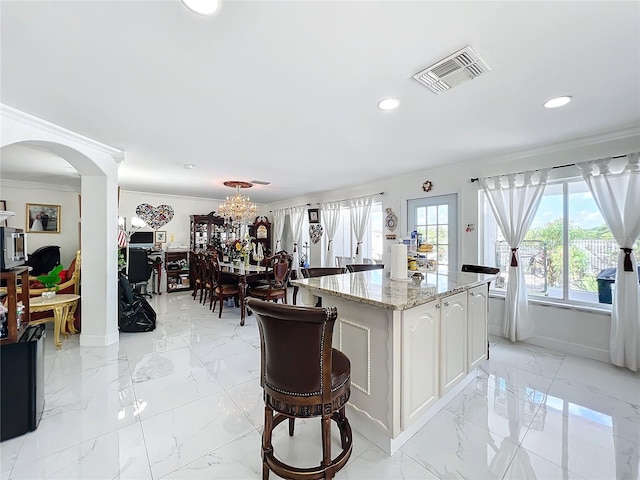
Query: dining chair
point(278, 271)
point(194, 273)
point(302, 376)
point(363, 267)
point(221, 291)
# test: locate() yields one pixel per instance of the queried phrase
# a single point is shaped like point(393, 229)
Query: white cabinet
point(477, 325)
point(453, 340)
point(420, 355)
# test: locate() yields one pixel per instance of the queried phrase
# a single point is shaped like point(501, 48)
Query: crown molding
point(611, 136)
point(38, 123)
point(25, 185)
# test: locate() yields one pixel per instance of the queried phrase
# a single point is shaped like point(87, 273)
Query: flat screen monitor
point(145, 238)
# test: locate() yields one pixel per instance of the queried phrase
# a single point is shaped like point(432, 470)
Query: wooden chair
point(221, 291)
point(278, 271)
point(194, 273)
point(313, 272)
point(480, 269)
point(72, 285)
point(363, 267)
point(302, 377)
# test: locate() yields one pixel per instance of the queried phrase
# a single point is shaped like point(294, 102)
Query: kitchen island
point(412, 346)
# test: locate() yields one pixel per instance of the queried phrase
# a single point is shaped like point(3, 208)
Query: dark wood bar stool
point(363, 267)
point(302, 377)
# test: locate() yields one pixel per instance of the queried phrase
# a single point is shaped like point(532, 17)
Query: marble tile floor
point(184, 402)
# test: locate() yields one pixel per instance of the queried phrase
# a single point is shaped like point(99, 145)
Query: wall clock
point(391, 221)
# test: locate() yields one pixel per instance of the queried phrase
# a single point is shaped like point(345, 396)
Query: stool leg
point(266, 440)
point(326, 444)
point(291, 426)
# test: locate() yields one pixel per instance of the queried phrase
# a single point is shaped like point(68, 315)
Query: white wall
point(18, 194)
point(178, 229)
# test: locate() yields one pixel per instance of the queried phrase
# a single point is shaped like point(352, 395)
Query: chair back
point(312, 272)
point(296, 346)
point(279, 269)
point(363, 267)
point(43, 260)
point(139, 266)
point(480, 269)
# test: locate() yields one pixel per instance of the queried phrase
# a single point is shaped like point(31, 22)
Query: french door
point(436, 220)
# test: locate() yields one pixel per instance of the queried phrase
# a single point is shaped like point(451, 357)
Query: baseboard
point(570, 348)
point(99, 340)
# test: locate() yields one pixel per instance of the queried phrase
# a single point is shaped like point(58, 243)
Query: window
point(566, 248)
point(344, 243)
point(435, 219)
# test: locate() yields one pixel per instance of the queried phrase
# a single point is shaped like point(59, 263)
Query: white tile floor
point(184, 402)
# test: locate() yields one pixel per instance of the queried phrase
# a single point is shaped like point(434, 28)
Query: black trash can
point(22, 383)
point(606, 278)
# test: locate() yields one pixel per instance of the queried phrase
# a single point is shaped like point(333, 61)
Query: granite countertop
point(375, 288)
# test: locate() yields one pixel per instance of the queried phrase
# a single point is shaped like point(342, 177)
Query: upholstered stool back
point(302, 376)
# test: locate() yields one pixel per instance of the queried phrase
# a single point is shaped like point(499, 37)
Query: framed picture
point(160, 236)
point(314, 215)
point(3, 207)
point(43, 218)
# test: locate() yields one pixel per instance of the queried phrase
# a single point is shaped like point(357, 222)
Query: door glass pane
point(443, 213)
point(432, 215)
point(443, 234)
point(432, 235)
point(421, 216)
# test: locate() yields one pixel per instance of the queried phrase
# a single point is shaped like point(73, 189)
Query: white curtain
point(360, 211)
point(514, 200)
point(618, 198)
point(278, 228)
point(296, 217)
point(331, 219)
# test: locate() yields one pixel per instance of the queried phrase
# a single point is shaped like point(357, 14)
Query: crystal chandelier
point(237, 207)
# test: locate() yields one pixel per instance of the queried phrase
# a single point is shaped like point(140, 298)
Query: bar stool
point(302, 377)
point(364, 267)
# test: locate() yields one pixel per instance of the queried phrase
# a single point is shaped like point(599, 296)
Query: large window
point(568, 246)
point(344, 243)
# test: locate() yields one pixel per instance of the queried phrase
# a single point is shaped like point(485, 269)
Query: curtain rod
point(303, 205)
point(551, 168)
point(352, 198)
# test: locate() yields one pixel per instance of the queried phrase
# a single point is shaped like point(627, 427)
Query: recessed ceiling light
point(558, 102)
point(189, 166)
point(203, 7)
point(388, 103)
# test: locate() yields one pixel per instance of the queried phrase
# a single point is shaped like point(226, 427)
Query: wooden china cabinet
point(207, 232)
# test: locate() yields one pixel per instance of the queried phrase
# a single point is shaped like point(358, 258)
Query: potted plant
point(51, 281)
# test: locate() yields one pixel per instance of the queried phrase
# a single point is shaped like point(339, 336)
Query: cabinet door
point(477, 325)
point(420, 353)
point(453, 341)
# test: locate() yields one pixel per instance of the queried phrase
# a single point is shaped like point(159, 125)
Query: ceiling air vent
point(463, 65)
point(260, 182)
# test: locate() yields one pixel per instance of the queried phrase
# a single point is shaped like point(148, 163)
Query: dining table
point(243, 275)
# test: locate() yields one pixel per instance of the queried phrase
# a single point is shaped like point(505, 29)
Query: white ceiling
point(286, 91)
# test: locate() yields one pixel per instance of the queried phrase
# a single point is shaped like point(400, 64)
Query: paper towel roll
point(399, 261)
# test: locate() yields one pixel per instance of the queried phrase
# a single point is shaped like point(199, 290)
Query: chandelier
point(238, 206)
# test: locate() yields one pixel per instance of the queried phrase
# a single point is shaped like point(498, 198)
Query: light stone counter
point(374, 288)
point(412, 347)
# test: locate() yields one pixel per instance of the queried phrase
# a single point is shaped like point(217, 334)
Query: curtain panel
point(278, 228)
point(514, 200)
point(296, 217)
point(618, 198)
point(331, 219)
point(360, 212)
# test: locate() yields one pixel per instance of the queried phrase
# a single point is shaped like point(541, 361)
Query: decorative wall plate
point(155, 217)
point(315, 232)
point(391, 221)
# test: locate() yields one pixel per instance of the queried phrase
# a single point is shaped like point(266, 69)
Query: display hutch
point(261, 231)
point(15, 325)
point(207, 232)
point(177, 267)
